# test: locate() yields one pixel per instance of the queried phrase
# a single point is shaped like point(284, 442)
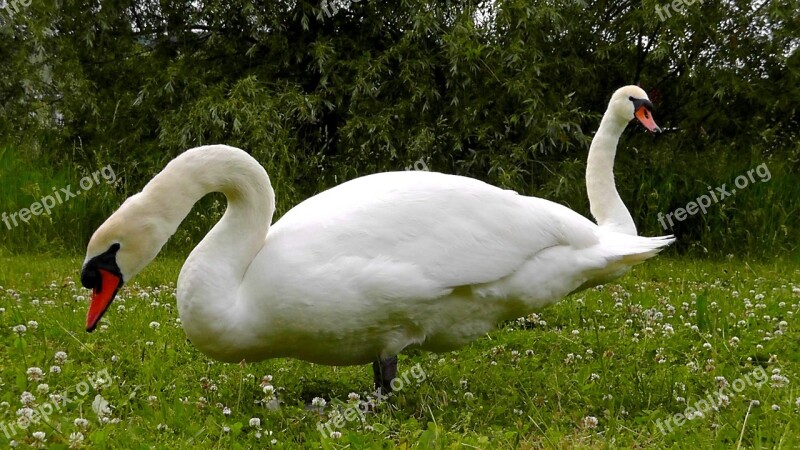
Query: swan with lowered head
point(364, 270)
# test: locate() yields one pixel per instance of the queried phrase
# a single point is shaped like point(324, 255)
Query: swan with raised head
point(378, 264)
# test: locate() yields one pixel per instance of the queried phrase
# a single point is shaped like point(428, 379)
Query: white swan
point(364, 270)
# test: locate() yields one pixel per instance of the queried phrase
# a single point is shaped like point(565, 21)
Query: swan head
point(631, 102)
point(123, 245)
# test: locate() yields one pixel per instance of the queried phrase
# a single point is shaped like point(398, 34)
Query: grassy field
point(607, 368)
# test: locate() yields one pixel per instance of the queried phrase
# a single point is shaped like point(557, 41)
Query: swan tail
point(628, 250)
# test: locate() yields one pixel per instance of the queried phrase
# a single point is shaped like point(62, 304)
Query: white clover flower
point(776, 408)
point(55, 369)
point(20, 329)
point(34, 374)
point(318, 402)
point(353, 397)
point(694, 415)
point(154, 325)
point(335, 435)
point(32, 324)
point(755, 403)
point(589, 422)
point(80, 422)
point(100, 383)
point(27, 398)
point(75, 439)
point(60, 358)
point(43, 388)
point(25, 414)
point(779, 381)
point(226, 411)
point(255, 422)
point(40, 436)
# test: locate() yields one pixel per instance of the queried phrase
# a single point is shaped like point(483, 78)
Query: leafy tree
point(509, 92)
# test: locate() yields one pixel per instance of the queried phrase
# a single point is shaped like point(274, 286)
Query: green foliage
point(70, 222)
point(509, 92)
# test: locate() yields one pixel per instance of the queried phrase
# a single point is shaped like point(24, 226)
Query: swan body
point(370, 267)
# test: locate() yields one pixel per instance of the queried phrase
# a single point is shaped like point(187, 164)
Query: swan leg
point(384, 371)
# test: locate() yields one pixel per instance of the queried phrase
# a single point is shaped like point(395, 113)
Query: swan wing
point(454, 230)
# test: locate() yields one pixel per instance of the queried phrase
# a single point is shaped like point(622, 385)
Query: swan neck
point(604, 200)
point(208, 285)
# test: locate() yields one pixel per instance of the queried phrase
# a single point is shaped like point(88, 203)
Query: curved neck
point(209, 280)
point(604, 200)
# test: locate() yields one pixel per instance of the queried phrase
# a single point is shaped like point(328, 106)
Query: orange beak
point(646, 118)
point(102, 297)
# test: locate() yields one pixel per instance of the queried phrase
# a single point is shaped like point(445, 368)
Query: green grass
point(27, 180)
point(491, 394)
